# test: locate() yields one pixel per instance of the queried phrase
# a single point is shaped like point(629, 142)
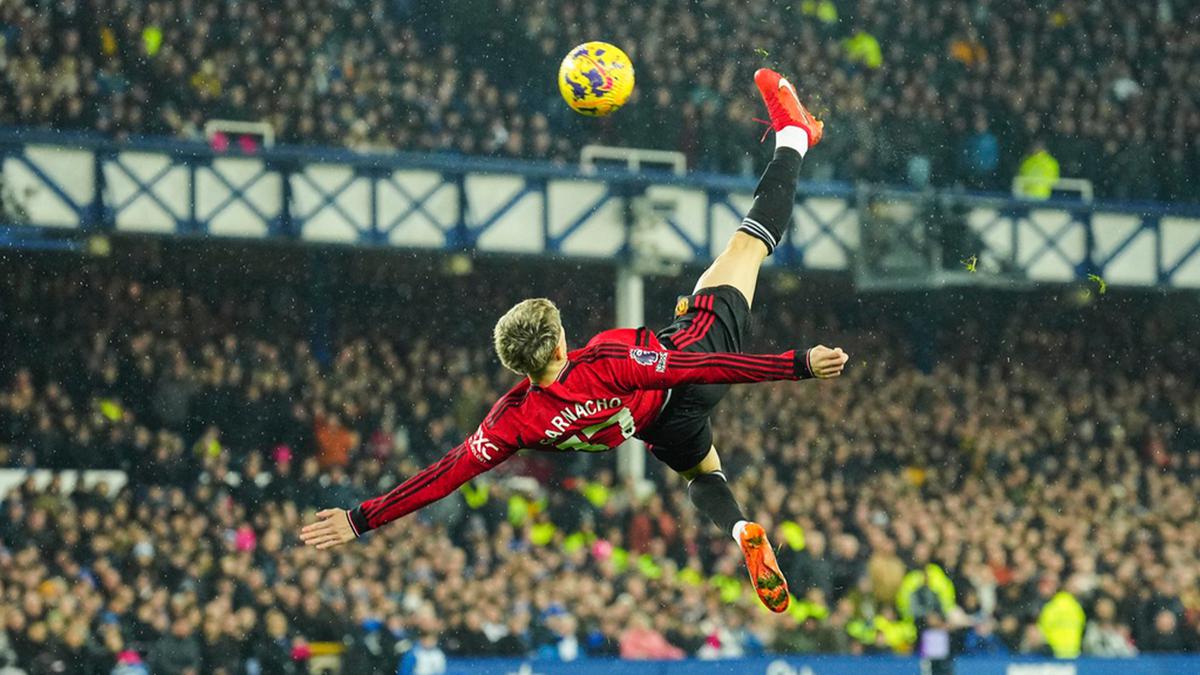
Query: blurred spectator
point(981, 640)
point(1038, 173)
point(1061, 622)
point(1166, 636)
point(178, 652)
point(981, 154)
point(564, 644)
point(1104, 637)
point(641, 641)
point(425, 658)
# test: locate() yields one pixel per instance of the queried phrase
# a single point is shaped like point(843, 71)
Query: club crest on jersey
point(648, 357)
point(681, 307)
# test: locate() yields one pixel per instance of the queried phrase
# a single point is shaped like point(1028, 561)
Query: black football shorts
point(714, 319)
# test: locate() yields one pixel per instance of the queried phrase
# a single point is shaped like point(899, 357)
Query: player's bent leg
point(710, 492)
point(737, 266)
point(764, 226)
point(761, 229)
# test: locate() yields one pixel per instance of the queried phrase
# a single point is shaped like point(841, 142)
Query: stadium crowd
point(1030, 491)
point(914, 90)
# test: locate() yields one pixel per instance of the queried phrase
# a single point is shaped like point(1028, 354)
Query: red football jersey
point(608, 391)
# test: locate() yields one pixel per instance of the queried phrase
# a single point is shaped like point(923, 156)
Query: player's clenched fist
point(825, 362)
point(331, 529)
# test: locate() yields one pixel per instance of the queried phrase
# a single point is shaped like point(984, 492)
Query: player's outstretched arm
point(477, 454)
point(638, 368)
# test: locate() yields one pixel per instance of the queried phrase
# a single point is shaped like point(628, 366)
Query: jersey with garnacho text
point(608, 391)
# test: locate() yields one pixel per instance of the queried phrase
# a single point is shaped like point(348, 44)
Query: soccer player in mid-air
point(659, 387)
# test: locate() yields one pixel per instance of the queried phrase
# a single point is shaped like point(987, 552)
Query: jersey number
point(579, 442)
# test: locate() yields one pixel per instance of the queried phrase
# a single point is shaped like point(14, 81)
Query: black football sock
point(712, 496)
point(773, 199)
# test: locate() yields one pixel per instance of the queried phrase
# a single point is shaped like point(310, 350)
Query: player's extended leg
point(764, 226)
point(710, 492)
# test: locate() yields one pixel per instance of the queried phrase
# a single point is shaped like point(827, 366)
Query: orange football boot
point(785, 107)
point(764, 569)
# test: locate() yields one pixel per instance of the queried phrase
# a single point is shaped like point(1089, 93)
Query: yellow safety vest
point(596, 494)
point(1061, 622)
point(793, 535)
point(803, 610)
point(729, 588)
point(649, 568)
point(475, 494)
point(577, 541)
point(518, 510)
point(863, 48)
point(824, 10)
point(862, 631)
point(620, 558)
point(542, 533)
point(937, 580)
point(1039, 172)
point(899, 635)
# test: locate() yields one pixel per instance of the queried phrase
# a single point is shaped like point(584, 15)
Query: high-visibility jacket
point(649, 567)
point(1062, 621)
point(899, 634)
point(937, 580)
point(577, 540)
point(542, 533)
point(596, 493)
point(518, 510)
point(793, 535)
point(475, 494)
point(862, 631)
point(802, 610)
point(862, 47)
point(1038, 172)
point(729, 588)
point(824, 10)
point(620, 559)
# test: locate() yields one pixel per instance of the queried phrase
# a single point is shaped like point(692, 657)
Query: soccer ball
point(595, 79)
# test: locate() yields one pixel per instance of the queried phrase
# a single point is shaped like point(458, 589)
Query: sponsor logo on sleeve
point(649, 357)
point(482, 449)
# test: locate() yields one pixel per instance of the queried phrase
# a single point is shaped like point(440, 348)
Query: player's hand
point(332, 528)
point(825, 362)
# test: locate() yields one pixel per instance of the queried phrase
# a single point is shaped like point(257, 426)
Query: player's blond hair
point(526, 336)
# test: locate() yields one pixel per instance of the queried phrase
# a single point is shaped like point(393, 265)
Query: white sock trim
point(737, 530)
point(792, 137)
point(762, 232)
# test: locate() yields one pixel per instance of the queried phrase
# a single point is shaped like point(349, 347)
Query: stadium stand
point(915, 91)
point(939, 484)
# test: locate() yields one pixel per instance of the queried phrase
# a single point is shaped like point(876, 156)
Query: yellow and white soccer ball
point(595, 79)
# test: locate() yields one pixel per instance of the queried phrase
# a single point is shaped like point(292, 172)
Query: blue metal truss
point(463, 227)
point(81, 211)
point(142, 188)
point(416, 204)
point(237, 195)
point(329, 200)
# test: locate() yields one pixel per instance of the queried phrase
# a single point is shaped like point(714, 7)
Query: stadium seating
point(956, 93)
point(988, 460)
